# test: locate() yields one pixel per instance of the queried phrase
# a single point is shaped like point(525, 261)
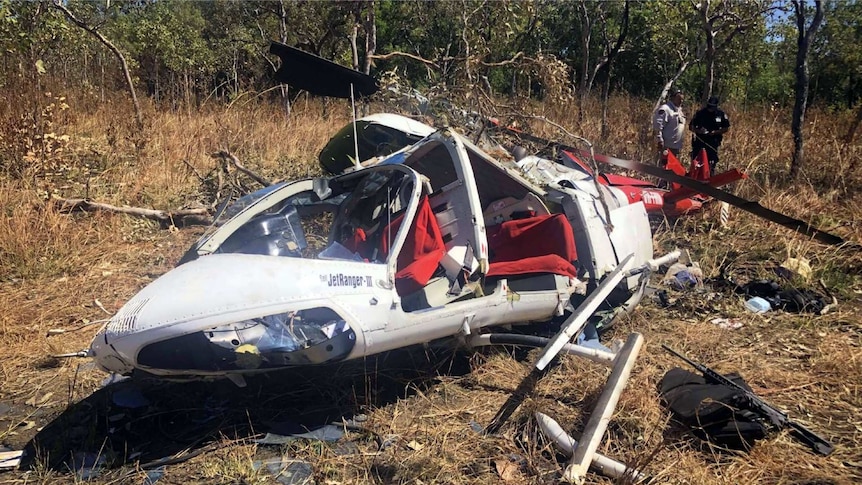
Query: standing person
point(708, 125)
point(669, 123)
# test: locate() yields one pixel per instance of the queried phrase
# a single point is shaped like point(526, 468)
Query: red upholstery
point(618, 180)
point(358, 243)
point(541, 244)
point(421, 253)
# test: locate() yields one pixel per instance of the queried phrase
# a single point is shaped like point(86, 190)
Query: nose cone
point(215, 290)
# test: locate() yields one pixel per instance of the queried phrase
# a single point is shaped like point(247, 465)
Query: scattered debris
point(727, 323)
point(327, 432)
point(682, 276)
point(757, 305)
point(287, 471)
point(9, 460)
point(790, 300)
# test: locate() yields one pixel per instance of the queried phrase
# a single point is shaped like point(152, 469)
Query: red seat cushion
point(549, 263)
point(541, 244)
point(421, 253)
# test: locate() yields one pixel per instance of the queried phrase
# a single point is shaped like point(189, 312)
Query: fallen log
point(177, 217)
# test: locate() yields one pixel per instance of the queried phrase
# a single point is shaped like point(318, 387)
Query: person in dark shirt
point(709, 125)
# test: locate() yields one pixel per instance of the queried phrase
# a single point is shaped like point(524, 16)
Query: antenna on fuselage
point(321, 77)
point(356, 163)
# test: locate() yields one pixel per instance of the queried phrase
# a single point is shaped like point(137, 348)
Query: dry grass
point(56, 269)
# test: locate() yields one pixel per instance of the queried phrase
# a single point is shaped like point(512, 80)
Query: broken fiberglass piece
point(311, 336)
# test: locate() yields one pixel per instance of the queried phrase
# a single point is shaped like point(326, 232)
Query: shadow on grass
point(180, 418)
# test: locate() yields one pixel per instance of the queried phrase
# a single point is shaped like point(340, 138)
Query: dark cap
point(712, 102)
point(673, 92)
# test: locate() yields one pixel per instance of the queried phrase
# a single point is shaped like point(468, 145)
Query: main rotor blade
point(747, 205)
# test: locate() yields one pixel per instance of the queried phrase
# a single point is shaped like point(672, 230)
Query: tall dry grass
point(57, 269)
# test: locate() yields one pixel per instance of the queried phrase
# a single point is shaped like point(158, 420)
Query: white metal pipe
point(605, 465)
point(596, 355)
point(581, 314)
point(668, 258)
point(582, 456)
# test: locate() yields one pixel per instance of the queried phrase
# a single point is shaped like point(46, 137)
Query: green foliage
point(836, 55)
point(177, 48)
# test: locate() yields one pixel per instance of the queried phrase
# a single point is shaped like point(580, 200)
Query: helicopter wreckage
point(416, 236)
point(435, 241)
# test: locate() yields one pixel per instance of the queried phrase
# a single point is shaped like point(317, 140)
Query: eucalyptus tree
point(722, 21)
point(664, 45)
point(805, 34)
point(614, 31)
point(836, 56)
point(91, 25)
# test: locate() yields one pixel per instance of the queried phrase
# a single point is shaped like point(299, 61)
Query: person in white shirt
point(669, 123)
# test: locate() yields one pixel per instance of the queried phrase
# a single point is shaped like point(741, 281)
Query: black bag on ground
point(714, 412)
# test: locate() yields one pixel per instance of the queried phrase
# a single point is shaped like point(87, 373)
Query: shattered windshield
point(340, 218)
point(374, 140)
point(364, 226)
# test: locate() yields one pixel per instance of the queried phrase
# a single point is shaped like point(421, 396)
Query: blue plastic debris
point(589, 337)
point(757, 305)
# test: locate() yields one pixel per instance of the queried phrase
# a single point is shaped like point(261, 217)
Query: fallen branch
point(229, 157)
point(201, 215)
point(427, 62)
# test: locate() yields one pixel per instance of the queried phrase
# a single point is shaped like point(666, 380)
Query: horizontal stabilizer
point(744, 204)
point(719, 180)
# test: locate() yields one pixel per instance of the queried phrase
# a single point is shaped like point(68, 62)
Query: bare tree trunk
point(354, 32)
point(611, 54)
point(606, 88)
point(586, 33)
point(92, 30)
point(803, 44)
point(709, 53)
point(682, 68)
point(282, 31)
point(851, 132)
point(370, 37)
